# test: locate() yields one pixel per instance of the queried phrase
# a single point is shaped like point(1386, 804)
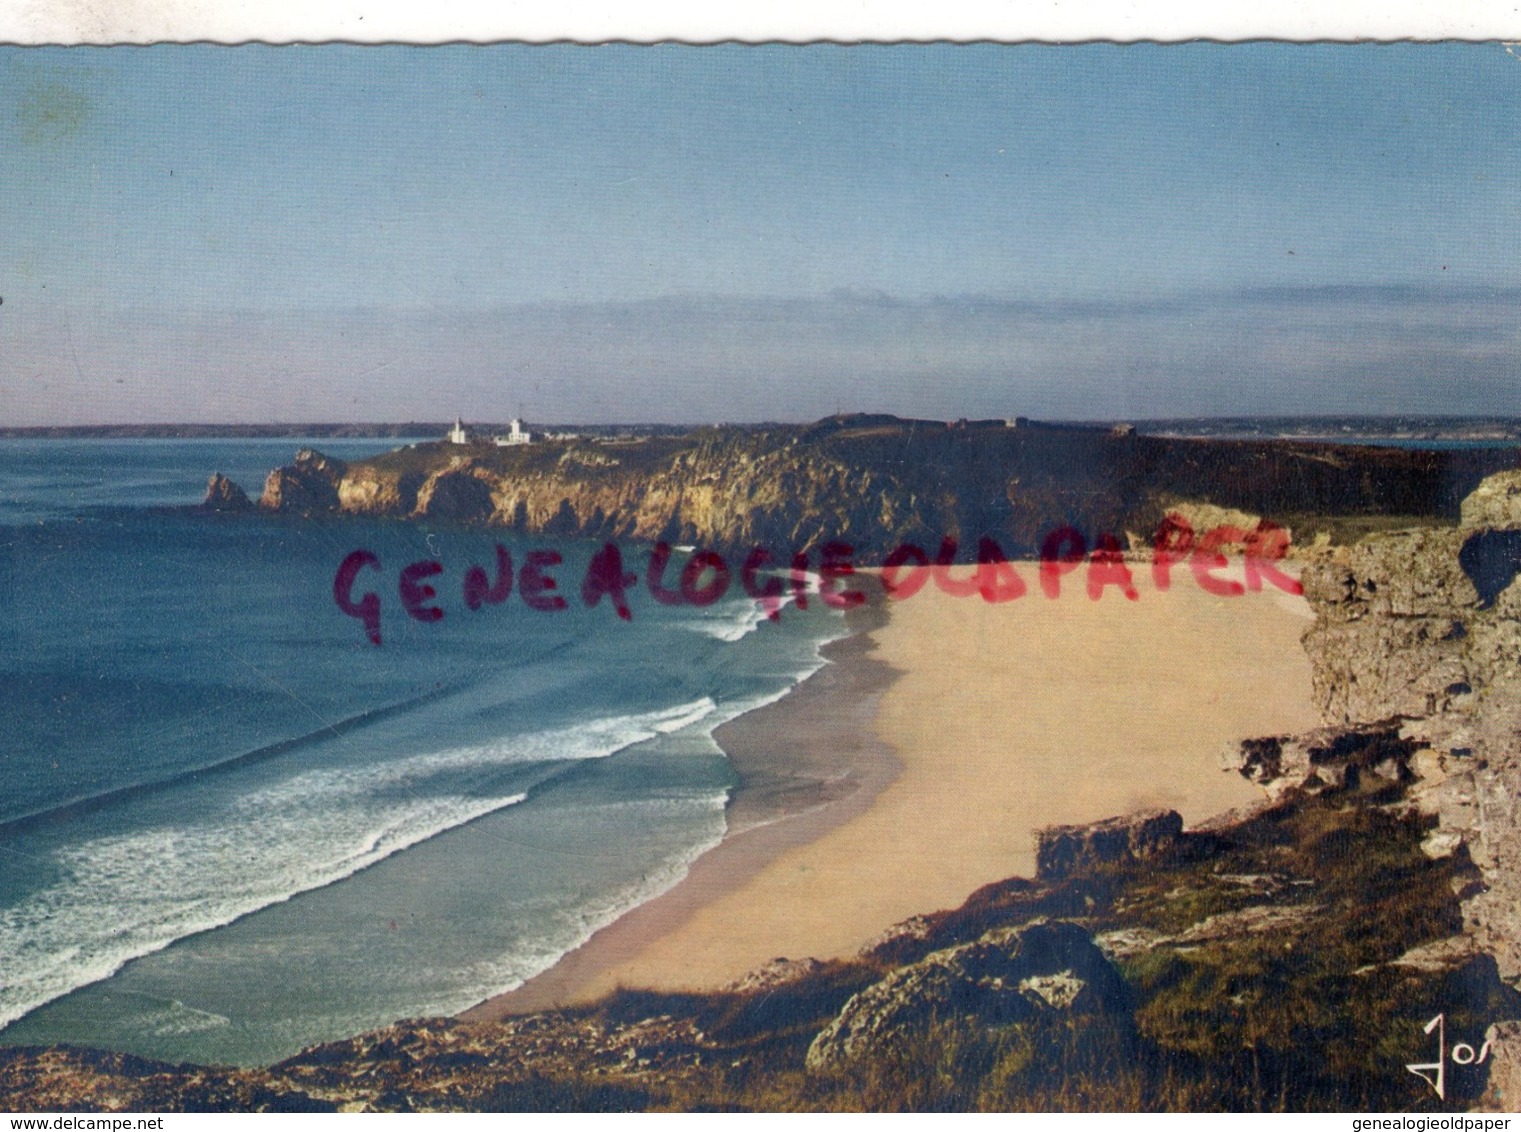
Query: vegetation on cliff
point(1282, 960)
point(877, 481)
point(1423, 628)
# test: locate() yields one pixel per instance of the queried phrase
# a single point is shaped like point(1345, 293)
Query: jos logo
point(1434, 1073)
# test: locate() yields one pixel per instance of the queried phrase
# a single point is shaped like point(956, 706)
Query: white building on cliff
point(457, 434)
point(518, 435)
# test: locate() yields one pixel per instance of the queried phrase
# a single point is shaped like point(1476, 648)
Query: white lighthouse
point(457, 434)
point(517, 435)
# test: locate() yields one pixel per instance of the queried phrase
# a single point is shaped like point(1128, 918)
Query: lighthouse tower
point(517, 435)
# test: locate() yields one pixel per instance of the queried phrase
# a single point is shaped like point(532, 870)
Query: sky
point(617, 233)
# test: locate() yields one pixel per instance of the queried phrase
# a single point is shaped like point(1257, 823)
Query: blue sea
point(232, 827)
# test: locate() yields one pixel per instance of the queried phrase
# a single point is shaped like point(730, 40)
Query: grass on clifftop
point(1287, 1000)
point(1260, 961)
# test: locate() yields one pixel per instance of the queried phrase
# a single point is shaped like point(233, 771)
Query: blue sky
point(670, 233)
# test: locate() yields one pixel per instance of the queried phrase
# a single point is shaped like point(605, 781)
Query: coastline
point(834, 766)
point(920, 762)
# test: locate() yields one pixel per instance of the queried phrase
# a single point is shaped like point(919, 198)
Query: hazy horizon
point(675, 234)
point(441, 425)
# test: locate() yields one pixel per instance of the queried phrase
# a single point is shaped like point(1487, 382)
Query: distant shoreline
point(406, 430)
point(1328, 429)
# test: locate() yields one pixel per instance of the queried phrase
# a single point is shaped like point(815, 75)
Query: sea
point(231, 826)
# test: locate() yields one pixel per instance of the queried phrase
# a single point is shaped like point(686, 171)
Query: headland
point(1049, 775)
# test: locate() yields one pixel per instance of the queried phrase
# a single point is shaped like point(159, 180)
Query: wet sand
point(806, 764)
point(918, 764)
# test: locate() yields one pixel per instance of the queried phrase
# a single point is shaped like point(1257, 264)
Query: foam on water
point(735, 621)
point(176, 1018)
point(508, 972)
point(505, 973)
point(250, 830)
point(123, 895)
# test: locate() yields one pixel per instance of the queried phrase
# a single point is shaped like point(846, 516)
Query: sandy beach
point(917, 765)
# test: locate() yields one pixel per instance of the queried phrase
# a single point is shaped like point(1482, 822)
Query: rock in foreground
point(1061, 849)
point(1008, 976)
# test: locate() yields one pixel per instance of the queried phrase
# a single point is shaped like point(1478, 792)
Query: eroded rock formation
point(1329, 758)
point(224, 495)
point(1009, 976)
point(1416, 655)
point(1061, 849)
point(307, 486)
point(874, 483)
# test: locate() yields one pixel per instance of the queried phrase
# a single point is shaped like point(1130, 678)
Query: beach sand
point(917, 766)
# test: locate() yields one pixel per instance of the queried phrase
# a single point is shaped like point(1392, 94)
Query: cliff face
point(1285, 958)
point(730, 493)
point(366, 490)
point(874, 483)
point(1423, 628)
point(308, 486)
point(1399, 630)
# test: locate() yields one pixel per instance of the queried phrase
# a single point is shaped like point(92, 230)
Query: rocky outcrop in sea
point(224, 495)
point(308, 486)
point(877, 481)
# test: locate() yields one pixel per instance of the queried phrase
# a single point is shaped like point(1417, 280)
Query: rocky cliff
point(307, 486)
point(1284, 958)
point(1421, 629)
point(874, 482)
